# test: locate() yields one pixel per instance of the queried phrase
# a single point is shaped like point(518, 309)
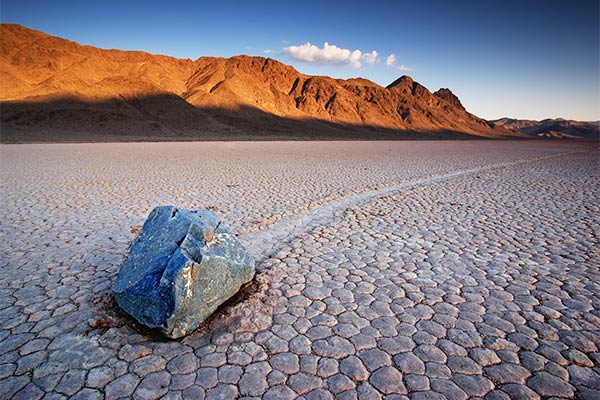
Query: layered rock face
point(181, 267)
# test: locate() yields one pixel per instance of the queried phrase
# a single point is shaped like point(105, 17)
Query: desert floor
point(422, 270)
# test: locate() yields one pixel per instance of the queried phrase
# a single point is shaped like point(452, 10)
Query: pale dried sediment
point(471, 272)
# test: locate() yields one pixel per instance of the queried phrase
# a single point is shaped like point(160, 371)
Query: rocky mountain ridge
point(52, 86)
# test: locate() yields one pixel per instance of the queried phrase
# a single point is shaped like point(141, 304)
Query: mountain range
point(53, 89)
point(556, 128)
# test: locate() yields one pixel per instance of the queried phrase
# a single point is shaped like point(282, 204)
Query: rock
point(180, 268)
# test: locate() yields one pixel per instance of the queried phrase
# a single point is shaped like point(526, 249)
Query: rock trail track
point(279, 229)
point(404, 270)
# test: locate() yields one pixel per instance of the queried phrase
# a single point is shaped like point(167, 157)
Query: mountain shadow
point(167, 117)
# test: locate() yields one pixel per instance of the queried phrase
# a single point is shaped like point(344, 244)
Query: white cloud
point(390, 60)
point(329, 54)
point(268, 51)
point(371, 58)
point(354, 58)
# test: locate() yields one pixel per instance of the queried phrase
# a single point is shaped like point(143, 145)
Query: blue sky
point(523, 59)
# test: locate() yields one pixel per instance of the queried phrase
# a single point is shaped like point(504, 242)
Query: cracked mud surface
point(386, 270)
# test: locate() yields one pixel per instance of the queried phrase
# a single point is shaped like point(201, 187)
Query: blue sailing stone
point(179, 269)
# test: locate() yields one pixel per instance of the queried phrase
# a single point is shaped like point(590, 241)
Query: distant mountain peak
point(449, 97)
point(404, 80)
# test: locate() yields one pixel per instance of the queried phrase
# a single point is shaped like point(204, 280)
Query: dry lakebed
point(421, 270)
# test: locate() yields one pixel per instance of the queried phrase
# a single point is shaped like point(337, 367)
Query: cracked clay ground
point(421, 270)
